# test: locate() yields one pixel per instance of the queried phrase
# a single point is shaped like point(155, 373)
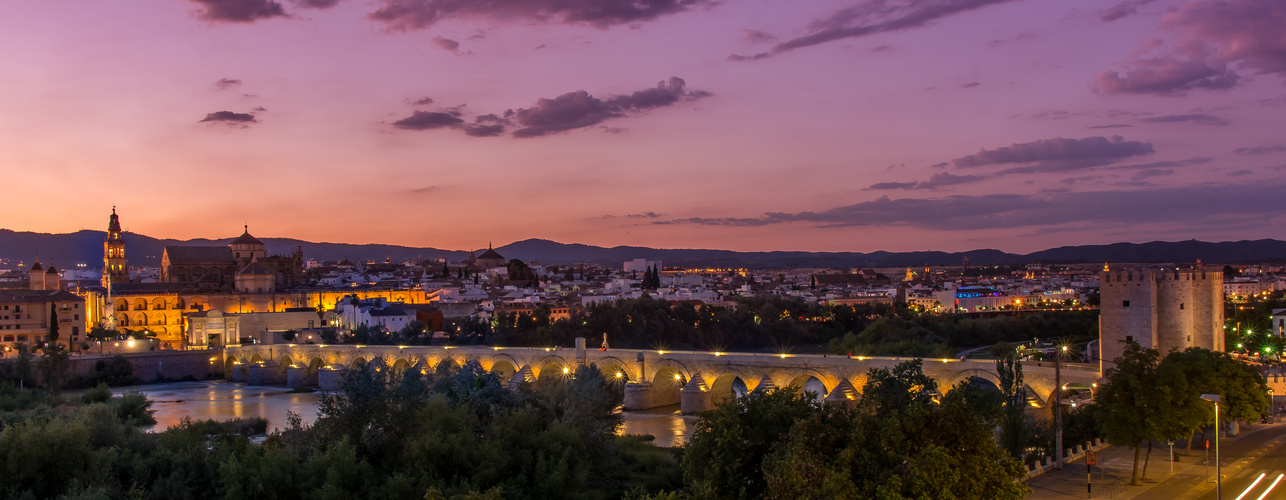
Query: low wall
point(147, 366)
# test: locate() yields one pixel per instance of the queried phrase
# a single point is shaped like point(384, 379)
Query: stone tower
point(114, 268)
point(1162, 309)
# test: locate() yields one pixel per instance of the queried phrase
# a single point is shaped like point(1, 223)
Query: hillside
point(68, 250)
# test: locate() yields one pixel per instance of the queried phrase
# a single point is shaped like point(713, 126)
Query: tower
point(1162, 309)
point(114, 270)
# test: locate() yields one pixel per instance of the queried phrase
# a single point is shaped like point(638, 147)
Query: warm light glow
point(783, 356)
point(718, 354)
point(676, 376)
point(565, 369)
point(619, 374)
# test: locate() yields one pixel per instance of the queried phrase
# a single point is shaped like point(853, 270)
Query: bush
point(98, 394)
point(115, 372)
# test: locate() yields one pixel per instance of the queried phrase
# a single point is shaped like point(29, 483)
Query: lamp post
point(1218, 467)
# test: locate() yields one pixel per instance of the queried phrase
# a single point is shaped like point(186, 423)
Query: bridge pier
point(297, 377)
point(264, 373)
point(695, 397)
point(328, 378)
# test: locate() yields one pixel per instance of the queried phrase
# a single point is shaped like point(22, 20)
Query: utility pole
point(1058, 406)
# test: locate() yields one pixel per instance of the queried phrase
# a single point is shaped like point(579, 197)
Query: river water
point(221, 400)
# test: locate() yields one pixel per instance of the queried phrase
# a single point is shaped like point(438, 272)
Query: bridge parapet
point(665, 372)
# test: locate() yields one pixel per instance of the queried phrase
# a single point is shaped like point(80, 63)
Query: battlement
point(1154, 275)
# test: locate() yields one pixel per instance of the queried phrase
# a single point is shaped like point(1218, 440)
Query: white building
point(641, 265)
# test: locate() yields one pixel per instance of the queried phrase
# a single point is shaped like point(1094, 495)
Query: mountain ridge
point(86, 247)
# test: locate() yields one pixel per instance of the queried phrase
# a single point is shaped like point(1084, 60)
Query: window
point(1129, 338)
point(1181, 306)
point(1125, 303)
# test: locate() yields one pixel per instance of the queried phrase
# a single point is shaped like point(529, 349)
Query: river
point(221, 400)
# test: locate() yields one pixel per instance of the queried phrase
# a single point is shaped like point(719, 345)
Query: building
point(114, 266)
point(25, 316)
point(1162, 309)
point(489, 259)
point(1277, 322)
point(220, 267)
point(641, 265)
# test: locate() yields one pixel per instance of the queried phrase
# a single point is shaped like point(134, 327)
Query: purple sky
point(740, 124)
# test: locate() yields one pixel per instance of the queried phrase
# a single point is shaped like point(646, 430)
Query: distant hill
point(68, 250)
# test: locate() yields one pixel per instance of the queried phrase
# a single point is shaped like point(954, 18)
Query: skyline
point(751, 125)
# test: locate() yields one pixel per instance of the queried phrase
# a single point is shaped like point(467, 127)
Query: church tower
point(114, 270)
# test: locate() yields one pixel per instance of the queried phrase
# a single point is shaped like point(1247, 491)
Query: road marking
point(1252, 486)
point(1271, 486)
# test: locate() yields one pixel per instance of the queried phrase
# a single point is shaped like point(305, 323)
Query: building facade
point(1162, 309)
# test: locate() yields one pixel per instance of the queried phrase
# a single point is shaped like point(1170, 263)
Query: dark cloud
point(578, 109)
point(423, 101)
point(1017, 38)
point(756, 36)
point(1198, 118)
point(1114, 125)
point(1205, 205)
point(970, 85)
point(403, 15)
point(939, 165)
point(239, 11)
point(1239, 173)
point(228, 116)
point(569, 111)
point(423, 190)
point(1099, 150)
point(317, 4)
point(427, 120)
point(872, 17)
point(1053, 114)
point(478, 130)
point(1261, 150)
point(1123, 9)
point(446, 43)
point(1195, 160)
point(224, 83)
point(1149, 173)
point(1211, 35)
point(566, 112)
point(938, 180)
point(644, 215)
point(892, 185)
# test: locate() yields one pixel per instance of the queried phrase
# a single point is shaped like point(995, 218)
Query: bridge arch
point(357, 363)
point(730, 385)
point(551, 367)
point(489, 362)
point(986, 377)
point(811, 382)
point(503, 368)
point(614, 369)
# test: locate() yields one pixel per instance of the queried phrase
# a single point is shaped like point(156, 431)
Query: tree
point(1013, 421)
point(53, 323)
point(1126, 408)
point(724, 458)
point(901, 441)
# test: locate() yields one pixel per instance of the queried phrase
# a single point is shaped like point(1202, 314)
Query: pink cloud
point(1212, 36)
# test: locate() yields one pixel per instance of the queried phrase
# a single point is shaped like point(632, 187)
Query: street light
point(1218, 467)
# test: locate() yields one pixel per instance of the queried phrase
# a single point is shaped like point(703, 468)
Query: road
point(1244, 460)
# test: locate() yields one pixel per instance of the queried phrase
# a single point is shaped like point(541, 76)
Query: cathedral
point(236, 278)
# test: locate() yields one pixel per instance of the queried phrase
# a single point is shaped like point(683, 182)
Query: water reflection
point(220, 400)
point(223, 400)
point(665, 423)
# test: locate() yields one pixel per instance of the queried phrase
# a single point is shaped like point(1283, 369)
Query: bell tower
point(114, 270)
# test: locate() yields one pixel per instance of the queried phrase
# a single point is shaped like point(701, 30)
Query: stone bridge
point(694, 379)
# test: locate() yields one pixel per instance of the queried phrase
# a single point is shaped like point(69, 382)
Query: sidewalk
point(1111, 476)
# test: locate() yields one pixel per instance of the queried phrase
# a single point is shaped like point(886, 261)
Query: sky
point(817, 125)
